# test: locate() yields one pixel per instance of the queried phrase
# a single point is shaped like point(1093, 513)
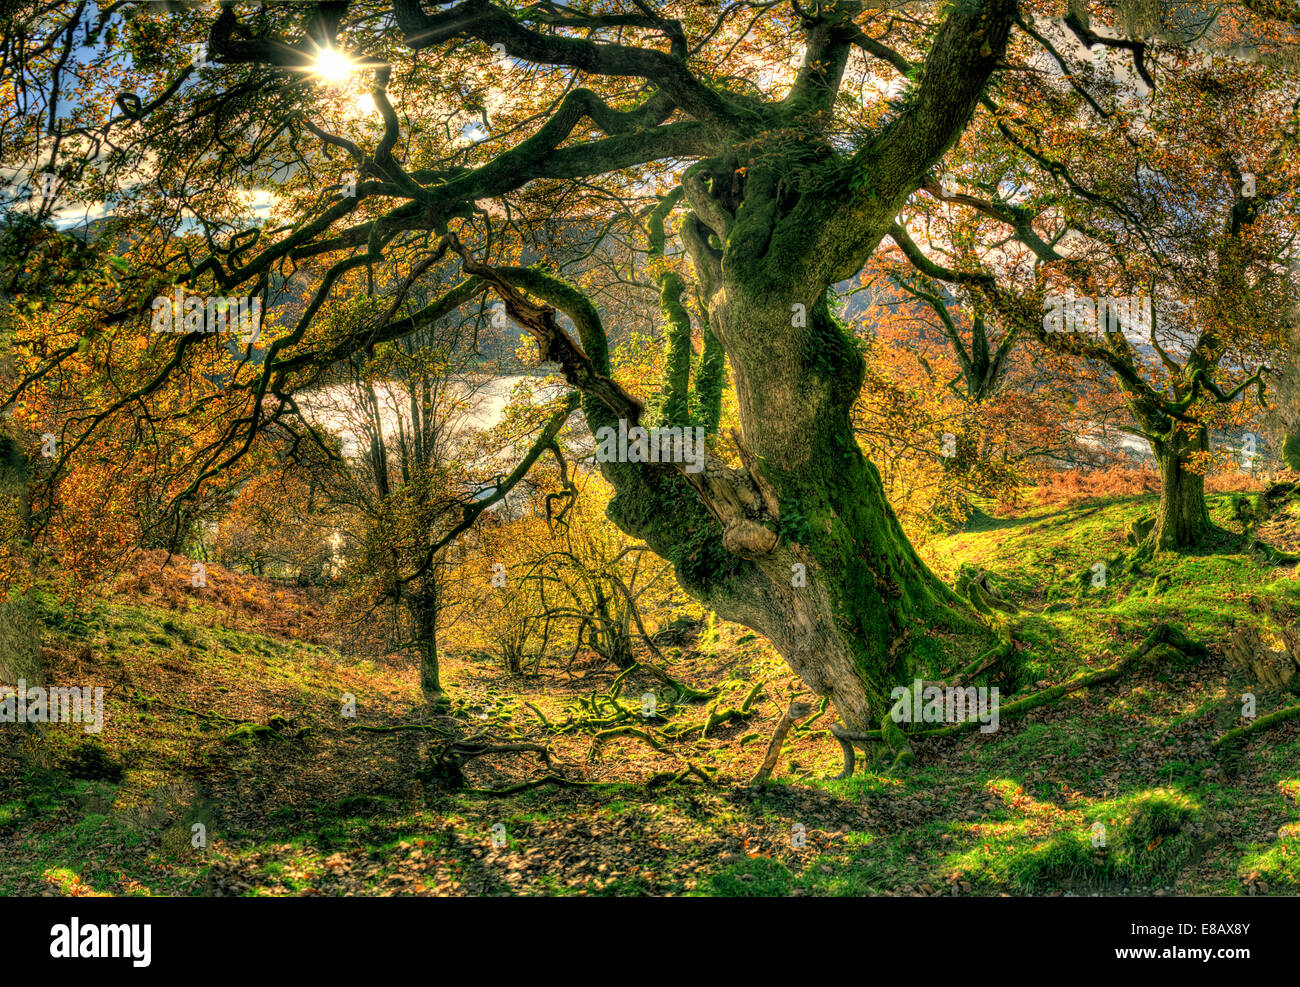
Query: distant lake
point(474, 405)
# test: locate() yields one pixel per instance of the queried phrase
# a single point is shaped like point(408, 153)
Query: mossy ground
point(313, 807)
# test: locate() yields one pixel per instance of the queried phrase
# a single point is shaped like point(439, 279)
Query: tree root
point(447, 766)
point(1261, 724)
point(541, 716)
point(630, 731)
point(601, 712)
point(1163, 636)
point(551, 779)
point(801, 729)
point(975, 585)
point(241, 731)
point(1276, 669)
point(716, 717)
point(146, 700)
point(1271, 555)
point(683, 690)
point(981, 664)
point(797, 711)
point(1140, 530)
point(847, 739)
point(673, 777)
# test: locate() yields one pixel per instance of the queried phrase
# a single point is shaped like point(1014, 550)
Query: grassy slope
point(320, 808)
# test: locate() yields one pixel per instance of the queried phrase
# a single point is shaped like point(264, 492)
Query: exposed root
point(981, 664)
point(540, 716)
point(537, 782)
point(976, 588)
point(683, 690)
point(846, 740)
point(1271, 555)
point(142, 699)
point(1139, 532)
point(716, 717)
point(1261, 724)
point(1163, 636)
point(446, 766)
point(630, 731)
point(797, 711)
point(600, 712)
point(673, 777)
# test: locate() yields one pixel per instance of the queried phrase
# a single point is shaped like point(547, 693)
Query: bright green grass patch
point(757, 877)
point(1139, 840)
point(1278, 864)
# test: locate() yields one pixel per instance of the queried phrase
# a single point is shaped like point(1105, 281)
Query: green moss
point(677, 323)
point(1291, 450)
point(665, 511)
point(831, 352)
point(792, 525)
point(710, 378)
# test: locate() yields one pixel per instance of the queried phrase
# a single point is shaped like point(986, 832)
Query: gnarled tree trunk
point(837, 588)
point(800, 543)
point(1182, 520)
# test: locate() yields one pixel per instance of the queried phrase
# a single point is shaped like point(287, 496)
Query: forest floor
point(224, 719)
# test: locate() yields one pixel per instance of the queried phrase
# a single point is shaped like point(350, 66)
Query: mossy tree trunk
point(1291, 450)
point(423, 607)
point(839, 592)
point(1183, 519)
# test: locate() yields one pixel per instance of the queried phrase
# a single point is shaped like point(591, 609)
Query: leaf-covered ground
point(224, 712)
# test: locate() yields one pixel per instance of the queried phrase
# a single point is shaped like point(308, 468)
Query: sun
point(333, 66)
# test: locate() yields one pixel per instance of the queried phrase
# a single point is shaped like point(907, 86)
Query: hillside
point(223, 709)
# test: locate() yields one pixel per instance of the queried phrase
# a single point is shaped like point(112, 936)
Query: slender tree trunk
point(613, 633)
point(20, 649)
point(423, 608)
point(1183, 520)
